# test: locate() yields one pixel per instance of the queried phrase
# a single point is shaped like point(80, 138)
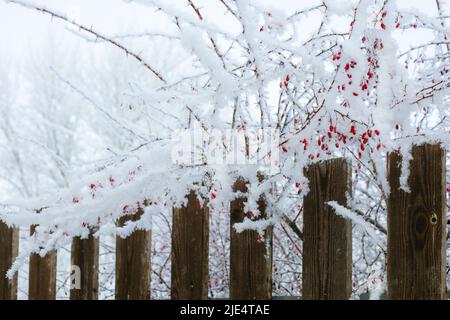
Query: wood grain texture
point(417, 226)
point(190, 249)
point(250, 259)
point(85, 254)
point(42, 279)
point(133, 268)
point(327, 246)
point(42, 275)
point(9, 247)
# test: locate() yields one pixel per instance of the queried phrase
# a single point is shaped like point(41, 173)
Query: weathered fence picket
point(190, 248)
point(417, 226)
point(327, 245)
point(42, 276)
point(9, 246)
point(250, 253)
point(84, 259)
point(133, 263)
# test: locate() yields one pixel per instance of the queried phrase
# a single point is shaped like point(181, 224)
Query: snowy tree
point(344, 87)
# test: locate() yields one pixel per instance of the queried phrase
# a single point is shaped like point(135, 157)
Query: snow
point(358, 221)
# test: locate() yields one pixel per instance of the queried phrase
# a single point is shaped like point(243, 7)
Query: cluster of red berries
point(339, 139)
point(336, 56)
point(285, 82)
point(93, 187)
point(397, 21)
point(347, 67)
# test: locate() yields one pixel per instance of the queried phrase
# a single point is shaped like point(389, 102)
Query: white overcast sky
point(23, 31)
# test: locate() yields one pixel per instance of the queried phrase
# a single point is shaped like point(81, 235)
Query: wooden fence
point(416, 248)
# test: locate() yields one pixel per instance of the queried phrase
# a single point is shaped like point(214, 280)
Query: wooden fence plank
point(190, 247)
point(84, 255)
point(133, 269)
point(417, 226)
point(327, 246)
point(42, 276)
point(9, 247)
point(250, 259)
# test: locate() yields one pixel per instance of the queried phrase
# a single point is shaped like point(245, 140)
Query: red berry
point(336, 56)
point(260, 239)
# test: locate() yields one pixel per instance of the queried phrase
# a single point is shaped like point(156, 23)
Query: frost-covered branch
point(57, 15)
